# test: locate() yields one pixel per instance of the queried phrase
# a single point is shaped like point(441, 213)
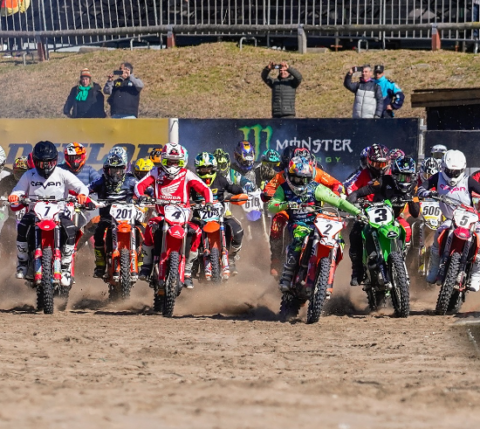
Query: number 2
point(328, 228)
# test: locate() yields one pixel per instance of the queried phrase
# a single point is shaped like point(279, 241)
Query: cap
point(85, 72)
point(378, 69)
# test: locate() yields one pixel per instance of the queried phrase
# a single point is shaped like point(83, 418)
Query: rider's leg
point(68, 234)
point(434, 264)
point(356, 250)
point(408, 230)
point(194, 237)
point(236, 234)
point(99, 239)
point(24, 229)
point(279, 223)
point(153, 229)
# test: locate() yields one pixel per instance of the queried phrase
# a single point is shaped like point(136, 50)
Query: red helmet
point(75, 156)
point(378, 160)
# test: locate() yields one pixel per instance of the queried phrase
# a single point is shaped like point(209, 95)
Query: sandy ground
point(224, 361)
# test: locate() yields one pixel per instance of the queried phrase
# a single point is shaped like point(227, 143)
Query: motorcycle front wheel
point(45, 288)
point(320, 292)
point(400, 291)
point(172, 284)
point(289, 307)
point(125, 274)
point(447, 291)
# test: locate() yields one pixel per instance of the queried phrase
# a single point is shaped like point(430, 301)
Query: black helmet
point(45, 157)
point(404, 173)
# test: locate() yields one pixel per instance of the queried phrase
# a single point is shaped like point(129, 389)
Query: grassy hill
point(219, 80)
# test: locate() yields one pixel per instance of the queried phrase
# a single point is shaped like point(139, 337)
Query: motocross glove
point(13, 199)
point(143, 199)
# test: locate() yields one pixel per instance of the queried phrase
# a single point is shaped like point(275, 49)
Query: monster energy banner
point(336, 143)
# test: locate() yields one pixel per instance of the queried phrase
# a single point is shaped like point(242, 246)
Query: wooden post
point(40, 49)
point(436, 42)
point(170, 38)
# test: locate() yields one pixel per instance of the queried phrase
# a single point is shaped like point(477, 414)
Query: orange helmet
point(75, 156)
point(156, 156)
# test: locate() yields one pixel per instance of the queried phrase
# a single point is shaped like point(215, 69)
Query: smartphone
point(118, 72)
point(358, 69)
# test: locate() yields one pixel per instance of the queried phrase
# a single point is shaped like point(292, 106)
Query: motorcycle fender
point(177, 232)
point(390, 232)
point(124, 227)
point(47, 225)
point(211, 227)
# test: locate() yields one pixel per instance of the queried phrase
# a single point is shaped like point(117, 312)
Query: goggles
point(173, 162)
point(46, 164)
point(404, 178)
point(141, 174)
point(299, 180)
point(205, 170)
point(222, 165)
point(275, 165)
point(437, 155)
point(302, 153)
point(379, 165)
point(453, 174)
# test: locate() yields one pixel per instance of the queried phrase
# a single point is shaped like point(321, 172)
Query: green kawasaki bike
point(384, 258)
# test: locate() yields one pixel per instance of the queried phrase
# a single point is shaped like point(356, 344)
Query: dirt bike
point(214, 247)
point(122, 252)
point(384, 258)
point(458, 246)
point(257, 216)
point(321, 253)
point(430, 220)
point(44, 270)
point(169, 263)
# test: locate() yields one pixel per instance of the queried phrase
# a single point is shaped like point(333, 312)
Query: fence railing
point(70, 19)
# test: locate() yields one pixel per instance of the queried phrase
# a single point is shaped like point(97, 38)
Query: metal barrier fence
point(78, 15)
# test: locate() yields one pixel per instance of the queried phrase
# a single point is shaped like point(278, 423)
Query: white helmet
point(3, 158)
point(438, 151)
point(453, 166)
point(173, 159)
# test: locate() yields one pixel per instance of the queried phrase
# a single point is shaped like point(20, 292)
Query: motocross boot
point(147, 262)
point(100, 264)
point(434, 264)
point(357, 269)
point(288, 271)
point(67, 257)
point(187, 281)
point(474, 284)
point(234, 249)
point(22, 259)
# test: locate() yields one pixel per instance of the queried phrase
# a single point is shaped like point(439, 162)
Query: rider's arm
point(193, 181)
point(428, 184)
point(142, 186)
point(329, 181)
point(73, 183)
point(232, 189)
point(271, 187)
point(22, 186)
point(278, 202)
point(414, 207)
point(363, 192)
point(93, 174)
point(473, 185)
point(322, 193)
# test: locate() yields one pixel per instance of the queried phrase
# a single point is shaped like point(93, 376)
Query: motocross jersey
point(235, 178)
point(364, 178)
point(384, 188)
point(314, 192)
point(123, 192)
point(176, 190)
point(218, 187)
point(248, 175)
point(57, 186)
point(320, 177)
point(462, 191)
point(86, 175)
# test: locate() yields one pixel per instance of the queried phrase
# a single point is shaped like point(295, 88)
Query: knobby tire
point(125, 274)
point(448, 286)
point(215, 261)
point(171, 284)
point(320, 291)
point(400, 292)
point(289, 307)
point(46, 284)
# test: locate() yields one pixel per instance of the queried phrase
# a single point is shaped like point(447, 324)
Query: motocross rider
point(393, 154)
point(45, 180)
point(115, 184)
point(233, 177)
point(428, 168)
point(438, 151)
point(362, 165)
point(300, 188)
point(280, 219)
point(206, 168)
point(172, 182)
point(244, 155)
point(455, 184)
point(270, 165)
point(399, 188)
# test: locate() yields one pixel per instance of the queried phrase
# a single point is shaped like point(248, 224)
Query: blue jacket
point(392, 95)
point(86, 175)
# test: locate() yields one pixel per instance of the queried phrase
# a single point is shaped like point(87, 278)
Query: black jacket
point(283, 92)
point(92, 107)
point(125, 98)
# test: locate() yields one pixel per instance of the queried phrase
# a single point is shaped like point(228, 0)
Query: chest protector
point(458, 192)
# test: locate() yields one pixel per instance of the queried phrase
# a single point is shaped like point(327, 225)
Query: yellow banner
point(137, 136)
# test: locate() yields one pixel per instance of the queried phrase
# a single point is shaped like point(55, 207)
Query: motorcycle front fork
point(38, 256)
point(224, 256)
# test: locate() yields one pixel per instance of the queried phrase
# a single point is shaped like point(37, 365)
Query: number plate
point(209, 213)
point(45, 210)
point(177, 214)
point(254, 202)
point(464, 218)
point(380, 215)
point(328, 228)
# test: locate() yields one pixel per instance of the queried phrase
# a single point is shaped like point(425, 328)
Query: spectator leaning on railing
point(393, 96)
point(284, 88)
point(86, 99)
point(368, 95)
point(124, 93)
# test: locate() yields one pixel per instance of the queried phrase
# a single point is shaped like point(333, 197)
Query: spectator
point(393, 96)
point(368, 95)
point(86, 99)
point(124, 93)
point(284, 88)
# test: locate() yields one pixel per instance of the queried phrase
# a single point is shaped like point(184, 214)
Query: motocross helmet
point(404, 173)
point(377, 160)
point(363, 157)
point(428, 168)
point(395, 154)
point(271, 164)
point(45, 157)
point(206, 167)
point(75, 156)
point(142, 167)
point(114, 169)
point(173, 159)
point(299, 174)
point(3, 159)
point(30, 162)
point(244, 155)
point(438, 151)
point(19, 167)
point(223, 161)
point(453, 166)
point(156, 156)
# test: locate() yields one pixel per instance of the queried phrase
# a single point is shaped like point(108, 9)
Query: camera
point(276, 66)
point(118, 72)
point(357, 69)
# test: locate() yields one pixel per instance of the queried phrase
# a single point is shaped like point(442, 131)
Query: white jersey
point(459, 192)
point(57, 186)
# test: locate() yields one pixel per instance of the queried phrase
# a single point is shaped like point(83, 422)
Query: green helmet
point(223, 161)
point(271, 164)
point(206, 167)
point(271, 156)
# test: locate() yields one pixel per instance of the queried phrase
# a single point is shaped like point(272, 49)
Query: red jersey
point(363, 179)
point(175, 190)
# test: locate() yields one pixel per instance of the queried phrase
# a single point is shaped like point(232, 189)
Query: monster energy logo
point(257, 134)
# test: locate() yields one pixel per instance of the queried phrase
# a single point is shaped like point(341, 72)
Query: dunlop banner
point(137, 136)
point(336, 143)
